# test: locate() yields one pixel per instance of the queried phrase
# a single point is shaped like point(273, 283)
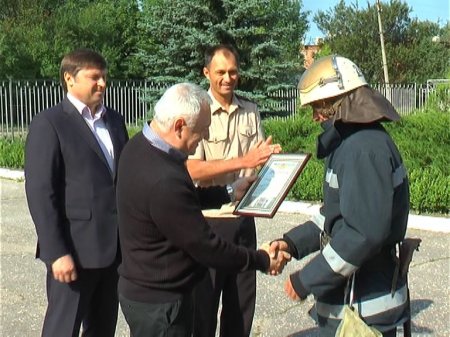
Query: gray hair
point(180, 100)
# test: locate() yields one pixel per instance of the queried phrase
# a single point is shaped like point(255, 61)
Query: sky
point(432, 10)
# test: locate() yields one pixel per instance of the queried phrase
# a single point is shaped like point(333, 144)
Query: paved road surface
point(22, 279)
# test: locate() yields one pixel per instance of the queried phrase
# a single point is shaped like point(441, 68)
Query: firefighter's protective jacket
point(364, 216)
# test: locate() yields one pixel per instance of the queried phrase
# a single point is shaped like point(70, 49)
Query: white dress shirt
point(98, 128)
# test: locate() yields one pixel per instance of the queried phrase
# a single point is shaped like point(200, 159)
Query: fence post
point(416, 96)
point(10, 110)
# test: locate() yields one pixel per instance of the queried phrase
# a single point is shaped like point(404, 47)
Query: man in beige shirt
point(235, 147)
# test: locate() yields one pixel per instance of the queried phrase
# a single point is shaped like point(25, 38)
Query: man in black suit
point(71, 156)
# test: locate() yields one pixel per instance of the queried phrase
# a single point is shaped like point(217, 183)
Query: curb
point(423, 222)
point(12, 174)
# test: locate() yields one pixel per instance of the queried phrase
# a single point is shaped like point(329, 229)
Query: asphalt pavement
point(22, 277)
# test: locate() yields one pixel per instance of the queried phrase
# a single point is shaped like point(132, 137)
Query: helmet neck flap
point(365, 105)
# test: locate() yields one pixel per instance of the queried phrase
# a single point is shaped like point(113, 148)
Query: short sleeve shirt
point(231, 135)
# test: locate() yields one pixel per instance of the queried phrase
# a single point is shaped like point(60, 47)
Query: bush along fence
point(20, 100)
point(423, 140)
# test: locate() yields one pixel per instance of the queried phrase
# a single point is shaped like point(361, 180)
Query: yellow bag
point(352, 325)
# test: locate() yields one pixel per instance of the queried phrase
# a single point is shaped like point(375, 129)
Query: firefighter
point(365, 203)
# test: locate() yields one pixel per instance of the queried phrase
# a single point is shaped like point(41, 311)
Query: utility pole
point(383, 51)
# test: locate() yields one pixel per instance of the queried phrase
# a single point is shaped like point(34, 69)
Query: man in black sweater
point(166, 242)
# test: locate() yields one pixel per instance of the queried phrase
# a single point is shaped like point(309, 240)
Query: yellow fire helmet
point(329, 76)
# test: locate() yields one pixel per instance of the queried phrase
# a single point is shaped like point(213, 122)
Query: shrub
point(11, 153)
point(430, 190)
point(298, 134)
point(309, 184)
point(133, 131)
point(439, 99)
point(423, 139)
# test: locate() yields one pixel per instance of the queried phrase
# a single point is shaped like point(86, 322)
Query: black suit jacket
point(70, 187)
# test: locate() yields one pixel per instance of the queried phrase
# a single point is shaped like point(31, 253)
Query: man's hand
point(241, 186)
point(278, 245)
point(275, 247)
point(260, 152)
point(64, 269)
point(278, 259)
point(289, 290)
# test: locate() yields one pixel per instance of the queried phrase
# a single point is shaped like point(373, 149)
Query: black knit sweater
point(165, 241)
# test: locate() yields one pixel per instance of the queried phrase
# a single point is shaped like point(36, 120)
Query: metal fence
point(20, 100)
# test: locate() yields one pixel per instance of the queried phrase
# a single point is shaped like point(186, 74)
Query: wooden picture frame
point(274, 181)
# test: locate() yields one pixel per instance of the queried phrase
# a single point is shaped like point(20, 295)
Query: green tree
point(267, 34)
point(268, 40)
point(108, 26)
point(352, 31)
point(35, 34)
point(21, 40)
point(175, 33)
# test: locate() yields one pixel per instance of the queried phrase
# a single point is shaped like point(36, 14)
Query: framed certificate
point(274, 181)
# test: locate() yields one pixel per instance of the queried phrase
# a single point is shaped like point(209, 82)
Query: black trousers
point(238, 290)
point(172, 319)
point(91, 300)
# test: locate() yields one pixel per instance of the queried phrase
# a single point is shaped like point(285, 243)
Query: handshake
point(278, 251)
point(279, 255)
